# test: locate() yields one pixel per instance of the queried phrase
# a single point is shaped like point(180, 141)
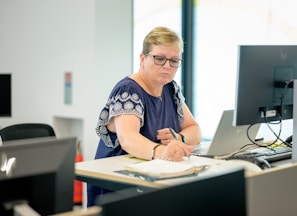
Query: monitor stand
point(294, 146)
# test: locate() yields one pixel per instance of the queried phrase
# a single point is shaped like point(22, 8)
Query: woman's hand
point(174, 151)
point(166, 135)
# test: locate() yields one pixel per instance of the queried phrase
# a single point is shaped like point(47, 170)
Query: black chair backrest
point(26, 130)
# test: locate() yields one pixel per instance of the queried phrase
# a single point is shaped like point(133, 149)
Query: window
point(220, 26)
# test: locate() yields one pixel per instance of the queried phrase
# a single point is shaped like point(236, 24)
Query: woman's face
point(159, 74)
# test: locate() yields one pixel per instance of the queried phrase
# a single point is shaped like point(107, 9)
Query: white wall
point(40, 40)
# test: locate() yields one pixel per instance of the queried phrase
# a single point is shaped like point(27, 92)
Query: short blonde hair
point(162, 36)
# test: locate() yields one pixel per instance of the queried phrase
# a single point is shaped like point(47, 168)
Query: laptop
point(228, 138)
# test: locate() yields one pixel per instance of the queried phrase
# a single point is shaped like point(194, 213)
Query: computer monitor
point(264, 91)
point(39, 171)
point(223, 193)
point(5, 95)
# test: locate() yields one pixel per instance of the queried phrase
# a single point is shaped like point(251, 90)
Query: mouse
point(248, 166)
point(262, 163)
point(289, 139)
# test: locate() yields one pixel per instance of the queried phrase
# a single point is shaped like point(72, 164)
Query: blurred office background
point(97, 42)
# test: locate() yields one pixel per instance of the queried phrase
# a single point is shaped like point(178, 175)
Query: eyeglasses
point(161, 60)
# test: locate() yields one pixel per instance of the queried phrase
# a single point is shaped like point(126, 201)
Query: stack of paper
point(160, 169)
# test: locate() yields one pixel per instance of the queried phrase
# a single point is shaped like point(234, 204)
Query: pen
point(175, 137)
point(173, 133)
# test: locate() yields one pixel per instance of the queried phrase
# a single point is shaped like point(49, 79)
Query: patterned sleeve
point(180, 101)
point(124, 99)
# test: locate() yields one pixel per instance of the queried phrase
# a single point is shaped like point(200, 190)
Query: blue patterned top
point(128, 97)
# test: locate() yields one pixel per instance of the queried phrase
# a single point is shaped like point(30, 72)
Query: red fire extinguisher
point(78, 185)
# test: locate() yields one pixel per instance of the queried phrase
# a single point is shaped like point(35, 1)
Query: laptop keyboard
point(268, 154)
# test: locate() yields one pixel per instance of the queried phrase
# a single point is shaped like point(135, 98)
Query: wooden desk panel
point(274, 192)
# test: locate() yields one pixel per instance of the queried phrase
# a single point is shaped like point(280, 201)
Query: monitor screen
point(39, 171)
point(219, 194)
point(5, 95)
point(264, 91)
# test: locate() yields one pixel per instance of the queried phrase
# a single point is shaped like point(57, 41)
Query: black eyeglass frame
point(171, 61)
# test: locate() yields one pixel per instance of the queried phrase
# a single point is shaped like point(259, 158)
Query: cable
point(280, 122)
point(254, 142)
point(283, 94)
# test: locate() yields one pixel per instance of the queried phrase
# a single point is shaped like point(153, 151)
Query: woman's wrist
point(153, 152)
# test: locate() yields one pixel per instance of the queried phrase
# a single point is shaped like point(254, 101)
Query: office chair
point(26, 131)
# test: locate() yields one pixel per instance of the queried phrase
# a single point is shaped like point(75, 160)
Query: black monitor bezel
point(5, 95)
point(223, 193)
point(257, 96)
point(43, 176)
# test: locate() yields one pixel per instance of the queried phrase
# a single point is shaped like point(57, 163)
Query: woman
point(146, 115)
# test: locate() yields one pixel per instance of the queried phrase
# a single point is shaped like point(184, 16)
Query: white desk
point(101, 173)
point(271, 192)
